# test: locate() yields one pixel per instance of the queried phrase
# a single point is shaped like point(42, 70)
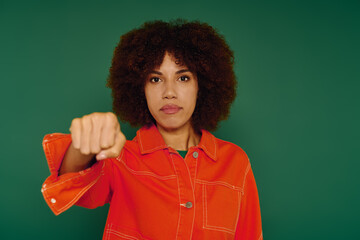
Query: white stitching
point(219, 183)
point(209, 152)
point(51, 160)
point(195, 171)
point(109, 231)
point(177, 179)
point(246, 172)
point(214, 144)
point(140, 141)
point(155, 148)
point(221, 230)
point(91, 169)
point(51, 206)
point(238, 212)
point(196, 165)
point(205, 205)
point(77, 197)
point(148, 150)
point(61, 182)
point(119, 158)
point(193, 192)
point(142, 173)
point(210, 227)
point(120, 234)
point(46, 143)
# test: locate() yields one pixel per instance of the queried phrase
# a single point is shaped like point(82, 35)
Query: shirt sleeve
point(249, 224)
point(88, 188)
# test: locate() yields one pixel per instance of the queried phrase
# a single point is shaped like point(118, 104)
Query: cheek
point(147, 94)
point(150, 99)
point(195, 93)
point(192, 98)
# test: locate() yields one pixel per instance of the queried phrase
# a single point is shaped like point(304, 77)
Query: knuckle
point(95, 117)
point(86, 122)
point(74, 123)
point(84, 151)
point(85, 119)
point(98, 118)
point(75, 145)
point(105, 145)
point(95, 150)
point(111, 116)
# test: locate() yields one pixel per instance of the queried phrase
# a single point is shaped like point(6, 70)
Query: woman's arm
point(75, 161)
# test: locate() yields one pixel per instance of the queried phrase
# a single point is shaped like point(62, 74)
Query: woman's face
point(171, 93)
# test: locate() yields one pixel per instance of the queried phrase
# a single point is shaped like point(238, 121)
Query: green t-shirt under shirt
point(182, 153)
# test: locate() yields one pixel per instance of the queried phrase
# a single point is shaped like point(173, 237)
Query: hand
point(98, 134)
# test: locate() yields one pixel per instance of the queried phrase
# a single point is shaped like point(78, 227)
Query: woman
point(174, 180)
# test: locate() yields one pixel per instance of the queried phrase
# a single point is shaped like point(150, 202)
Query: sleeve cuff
point(61, 192)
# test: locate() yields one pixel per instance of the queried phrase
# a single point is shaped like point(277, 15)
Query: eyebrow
point(178, 72)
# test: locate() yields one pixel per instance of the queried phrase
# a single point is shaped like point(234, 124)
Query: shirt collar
point(150, 140)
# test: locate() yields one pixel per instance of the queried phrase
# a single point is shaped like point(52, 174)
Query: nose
point(169, 90)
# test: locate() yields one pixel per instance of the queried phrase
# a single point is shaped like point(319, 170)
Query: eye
point(154, 79)
point(184, 78)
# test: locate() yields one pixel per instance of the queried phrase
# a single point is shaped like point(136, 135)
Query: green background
point(296, 113)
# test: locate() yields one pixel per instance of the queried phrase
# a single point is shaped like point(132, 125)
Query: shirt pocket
point(221, 206)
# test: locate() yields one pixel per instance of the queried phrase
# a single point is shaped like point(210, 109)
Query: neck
point(180, 139)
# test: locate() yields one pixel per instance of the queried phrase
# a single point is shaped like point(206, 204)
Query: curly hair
point(195, 45)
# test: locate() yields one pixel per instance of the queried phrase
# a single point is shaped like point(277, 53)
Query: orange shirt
point(156, 194)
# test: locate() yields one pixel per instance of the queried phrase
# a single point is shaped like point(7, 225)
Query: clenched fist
point(96, 134)
point(99, 134)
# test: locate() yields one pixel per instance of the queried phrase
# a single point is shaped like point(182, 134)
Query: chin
point(171, 125)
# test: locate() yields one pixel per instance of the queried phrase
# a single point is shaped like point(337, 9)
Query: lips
point(170, 109)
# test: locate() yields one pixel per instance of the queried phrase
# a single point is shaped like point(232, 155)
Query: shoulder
point(232, 154)
point(229, 147)
point(230, 162)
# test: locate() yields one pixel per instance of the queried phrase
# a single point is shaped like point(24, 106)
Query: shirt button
point(188, 205)
point(195, 154)
point(53, 200)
